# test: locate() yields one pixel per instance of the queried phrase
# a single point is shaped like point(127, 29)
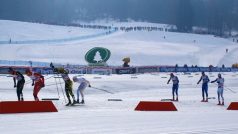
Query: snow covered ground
point(19, 31)
point(100, 116)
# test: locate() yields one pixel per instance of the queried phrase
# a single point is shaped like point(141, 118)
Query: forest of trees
point(217, 16)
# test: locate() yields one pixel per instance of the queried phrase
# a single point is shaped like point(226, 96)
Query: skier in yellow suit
point(68, 84)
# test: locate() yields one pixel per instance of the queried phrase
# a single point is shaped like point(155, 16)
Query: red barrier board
point(233, 106)
point(155, 106)
point(26, 107)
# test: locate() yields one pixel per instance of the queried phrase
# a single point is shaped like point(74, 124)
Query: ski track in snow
point(229, 56)
point(99, 116)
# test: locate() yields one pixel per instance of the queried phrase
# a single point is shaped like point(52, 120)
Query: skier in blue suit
point(175, 85)
point(204, 78)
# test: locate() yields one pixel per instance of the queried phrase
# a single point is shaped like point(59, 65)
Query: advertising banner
point(126, 70)
point(148, 69)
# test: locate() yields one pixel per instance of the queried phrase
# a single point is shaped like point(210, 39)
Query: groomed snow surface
point(100, 116)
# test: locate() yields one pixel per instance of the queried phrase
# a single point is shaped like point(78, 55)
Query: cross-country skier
point(205, 79)
point(20, 82)
point(38, 82)
point(83, 84)
point(68, 84)
point(175, 85)
point(220, 82)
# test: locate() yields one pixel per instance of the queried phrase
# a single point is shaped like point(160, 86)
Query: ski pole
point(102, 90)
point(29, 81)
point(56, 74)
point(57, 87)
point(229, 89)
point(49, 77)
point(62, 89)
point(53, 84)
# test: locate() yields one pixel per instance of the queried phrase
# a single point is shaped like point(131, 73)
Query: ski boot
point(77, 101)
point(222, 103)
point(82, 102)
point(68, 104)
point(173, 99)
point(74, 102)
point(22, 99)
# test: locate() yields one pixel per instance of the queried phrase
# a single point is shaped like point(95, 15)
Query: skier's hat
point(126, 59)
point(61, 70)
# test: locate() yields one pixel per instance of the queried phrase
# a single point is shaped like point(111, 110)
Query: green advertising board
point(97, 56)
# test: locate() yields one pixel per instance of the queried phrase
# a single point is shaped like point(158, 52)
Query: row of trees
point(122, 28)
point(217, 16)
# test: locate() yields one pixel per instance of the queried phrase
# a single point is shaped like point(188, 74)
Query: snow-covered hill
point(144, 48)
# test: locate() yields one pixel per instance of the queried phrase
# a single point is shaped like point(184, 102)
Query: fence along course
point(121, 70)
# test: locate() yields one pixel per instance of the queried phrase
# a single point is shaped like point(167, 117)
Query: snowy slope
point(144, 48)
point(34, 31)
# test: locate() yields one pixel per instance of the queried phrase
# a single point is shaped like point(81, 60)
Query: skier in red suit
point(37, 81)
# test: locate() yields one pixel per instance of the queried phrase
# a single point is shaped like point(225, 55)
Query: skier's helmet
point(219, 75)
point(75, 78)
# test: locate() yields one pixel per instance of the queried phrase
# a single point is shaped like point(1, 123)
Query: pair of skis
point(176, 101)
point(169, 100)
point(75, 104)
